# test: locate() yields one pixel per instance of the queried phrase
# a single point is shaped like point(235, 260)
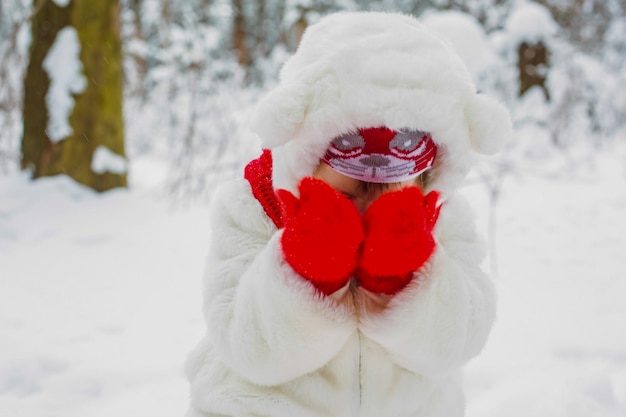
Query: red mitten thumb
point(289, 204)
point(398, 228)
point(258, 173)
point(322, 235)
point(431, 208)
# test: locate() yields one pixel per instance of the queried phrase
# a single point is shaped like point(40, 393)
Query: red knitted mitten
point(322, 236)
point(258, 172)
point(398, 229)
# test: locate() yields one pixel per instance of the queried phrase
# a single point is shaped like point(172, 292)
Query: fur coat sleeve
point(266, 322)
point(443, 318)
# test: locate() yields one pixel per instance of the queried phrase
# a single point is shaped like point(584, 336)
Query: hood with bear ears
point(367, 69)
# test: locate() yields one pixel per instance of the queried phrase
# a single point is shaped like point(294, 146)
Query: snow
point(558, 348)
point(64, 68)
point(100, 297)
point(104, 160)
point(533, 107)
point(100, 294)
point(465, 35)
point(530, 22)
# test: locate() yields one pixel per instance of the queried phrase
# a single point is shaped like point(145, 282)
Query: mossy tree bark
point(37, 149)
point(96, 119)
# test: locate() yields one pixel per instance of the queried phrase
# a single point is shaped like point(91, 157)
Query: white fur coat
point(277, 348)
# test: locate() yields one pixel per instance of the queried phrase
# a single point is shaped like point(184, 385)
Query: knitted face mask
point(381, 155)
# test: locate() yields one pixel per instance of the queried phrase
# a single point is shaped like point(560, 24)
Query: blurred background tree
point(73, 120)
point(194, 69)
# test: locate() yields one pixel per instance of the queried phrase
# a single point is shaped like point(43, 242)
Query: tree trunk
point(96, 118)
point(37, 149)
point(533, 66)
point(240, 34)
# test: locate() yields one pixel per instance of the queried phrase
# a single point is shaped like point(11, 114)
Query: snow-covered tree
point(73, 93)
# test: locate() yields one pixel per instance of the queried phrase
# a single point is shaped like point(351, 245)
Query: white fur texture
point(275, 347)
point(356, 70)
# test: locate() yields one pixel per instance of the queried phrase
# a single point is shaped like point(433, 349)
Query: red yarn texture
point(325, 240)
point(323, 234)
point(258, 172)
point(398, 239)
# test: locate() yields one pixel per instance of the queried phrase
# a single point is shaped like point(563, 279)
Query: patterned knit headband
point(381, 155)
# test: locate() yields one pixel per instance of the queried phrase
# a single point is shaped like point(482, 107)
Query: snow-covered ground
point(100, 294)
point(100, 299)
point(559, 346)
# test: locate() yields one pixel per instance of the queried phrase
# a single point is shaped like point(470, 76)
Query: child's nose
point(363, 202)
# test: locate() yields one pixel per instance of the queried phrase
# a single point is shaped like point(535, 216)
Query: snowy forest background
point(193, 69)
point(100, 292)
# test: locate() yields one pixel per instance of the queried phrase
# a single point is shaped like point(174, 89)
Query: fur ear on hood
point(489, 124)
point(280, 113)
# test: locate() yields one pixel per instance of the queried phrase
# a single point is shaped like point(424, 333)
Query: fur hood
point(367, 69)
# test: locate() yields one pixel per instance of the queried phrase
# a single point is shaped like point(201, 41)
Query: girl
point(344, 275)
